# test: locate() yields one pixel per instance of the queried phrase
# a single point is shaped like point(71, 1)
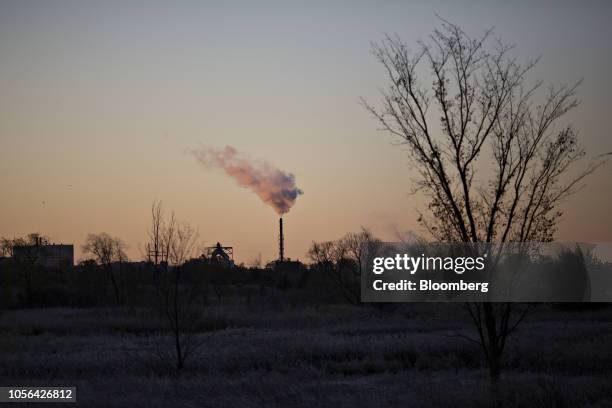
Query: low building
point(53, 256)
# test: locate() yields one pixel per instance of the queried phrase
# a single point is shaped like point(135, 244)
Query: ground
point(281, 356)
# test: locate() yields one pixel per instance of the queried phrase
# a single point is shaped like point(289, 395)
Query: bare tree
point(362, 247)
point(154, 246)
point(329, 257)
point(481, 110)
point(107, 250)
point(175, 243)
point(6, 247)
point(345, 260)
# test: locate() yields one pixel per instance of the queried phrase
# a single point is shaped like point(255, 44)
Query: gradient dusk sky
point(102, 103)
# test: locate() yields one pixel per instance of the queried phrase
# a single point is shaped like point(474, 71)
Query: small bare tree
point(330, 258)
point(362, 247)
point(483, 112)
point(6, 247)
point(107, 250)
point(173, 243)
point(345, 260)
point(154, 246)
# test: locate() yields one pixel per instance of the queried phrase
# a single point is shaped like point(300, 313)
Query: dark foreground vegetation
point(255, 337)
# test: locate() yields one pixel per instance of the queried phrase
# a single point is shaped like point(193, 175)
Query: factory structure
point(223, 256)
point(219, 255)
point(44, 254)
point(283, 263)
point(281, 242)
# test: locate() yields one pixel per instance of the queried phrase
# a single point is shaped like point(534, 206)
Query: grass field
point(335, 356)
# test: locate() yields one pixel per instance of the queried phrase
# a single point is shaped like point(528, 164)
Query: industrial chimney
point(281, 243)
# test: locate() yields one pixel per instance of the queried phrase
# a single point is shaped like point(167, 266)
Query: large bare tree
point(491, 151)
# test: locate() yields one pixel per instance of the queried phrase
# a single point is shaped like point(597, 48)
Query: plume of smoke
point(273, 186)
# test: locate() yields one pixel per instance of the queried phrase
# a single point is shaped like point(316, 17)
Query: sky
point(103, 102)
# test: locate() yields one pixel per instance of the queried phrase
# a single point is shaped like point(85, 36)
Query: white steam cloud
point(275, 187)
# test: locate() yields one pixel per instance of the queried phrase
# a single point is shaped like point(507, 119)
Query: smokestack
point(281, 243)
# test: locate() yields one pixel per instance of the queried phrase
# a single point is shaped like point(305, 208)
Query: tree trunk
point(494, 351)
point(28, 288)
point(495, 368)
point(179, 351)
point(177, 327)
point(494, 375)
point(109, 270)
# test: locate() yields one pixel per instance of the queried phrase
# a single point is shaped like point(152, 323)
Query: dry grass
point(323, 356)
